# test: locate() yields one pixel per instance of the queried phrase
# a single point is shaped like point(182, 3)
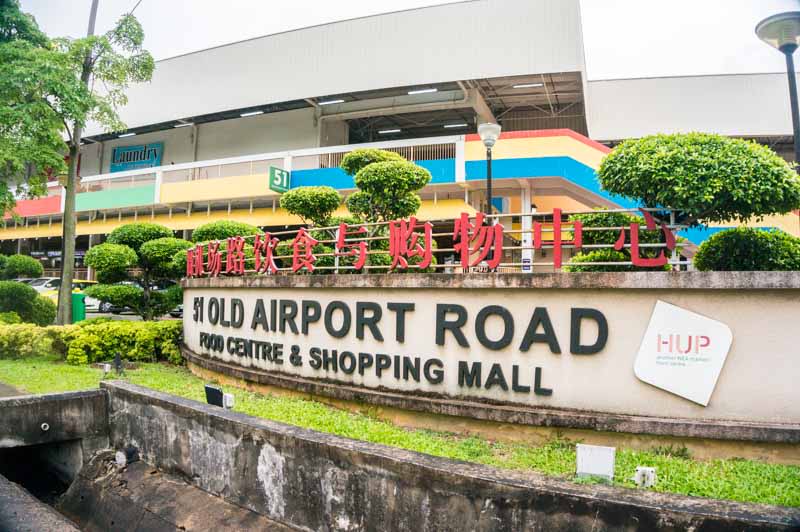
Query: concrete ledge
point(443, 281)
point(285, 472)
point(550, 417)
point(22, 512)
point(69, 416)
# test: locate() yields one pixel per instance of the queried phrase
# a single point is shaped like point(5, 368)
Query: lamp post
point(782, 31)
point(489, 134)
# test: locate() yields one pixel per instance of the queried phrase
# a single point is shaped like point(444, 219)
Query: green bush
point(312, 204)
point(135, 234)
point(362, 157)
point(223, 229)
point(111, 261)
point(22, 266)
point(9, 318)
point(43, 312)
point(749, 249)
point(711, 178)
point(26, 303)
point(135, 341)
point(607, 255)
point(24, 340)
point(158, 254)
point(387, 190)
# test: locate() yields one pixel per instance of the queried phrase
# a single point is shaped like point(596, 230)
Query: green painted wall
point(111, 199)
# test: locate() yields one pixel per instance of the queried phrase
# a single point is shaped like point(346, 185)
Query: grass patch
point(733, 479)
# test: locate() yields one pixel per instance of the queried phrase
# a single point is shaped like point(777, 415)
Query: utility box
point(78, 307)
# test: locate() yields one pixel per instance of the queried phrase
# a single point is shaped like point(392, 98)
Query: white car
point(43, 284)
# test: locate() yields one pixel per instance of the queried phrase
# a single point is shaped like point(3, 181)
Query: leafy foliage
point(26, 303)
point(711, 178)
point(607, 255)
point(749, 249)
point(9, 318)
point(22, 266)
point(388, 190)
point(136, 341)
point(312, 204)
point(111, 261)
point(360, 158)
point(222, 230)
point(149, 247)
point(135, 234)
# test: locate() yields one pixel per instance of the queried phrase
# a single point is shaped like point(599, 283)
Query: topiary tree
point(148, 247)
point(314, 205)
point(222, 229)
point(360, 158)
point(21, 266)
point(710, 178)
point(749, 249)
point(388, 190)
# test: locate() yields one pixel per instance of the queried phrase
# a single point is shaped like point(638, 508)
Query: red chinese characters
point(214, 259)
point(264, 251)
point(558, 238)
point(194, 261)
point(351, 249)
point(644, 262)
point(234, 258)
point(303, 251)
point(477, 240)
point(405, 242)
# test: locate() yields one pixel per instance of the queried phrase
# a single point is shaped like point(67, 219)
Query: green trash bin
point(78, 307)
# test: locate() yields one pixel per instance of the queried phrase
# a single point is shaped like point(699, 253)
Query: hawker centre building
point(204, 132)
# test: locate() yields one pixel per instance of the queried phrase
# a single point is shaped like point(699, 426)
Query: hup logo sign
point(683, 352)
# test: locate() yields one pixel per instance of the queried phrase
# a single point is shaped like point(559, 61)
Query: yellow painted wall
point(443, 210)
point(560, 146)
point(223, 188)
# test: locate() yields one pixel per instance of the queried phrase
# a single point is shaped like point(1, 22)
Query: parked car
point(77, 286)
point(24, 280)
point(43, 284)
point(177, 312)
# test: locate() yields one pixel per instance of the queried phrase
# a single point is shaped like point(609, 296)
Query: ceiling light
point(183, 124)
point(330, 102)
point(455, 125)
point(251, 113)
point(122, 136)
point(423, 91)
point(387, 131)
point(528, 85)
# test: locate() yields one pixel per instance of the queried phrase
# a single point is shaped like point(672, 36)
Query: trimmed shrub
point(223, 229)
point(312, 204)
point(135, 341)
point(135, 234)
point(43, 312)
point(9, 318)
point(607, 255)
point(25, 301)
point(749, 249)
point(158, 254)
point(22, 266)
point(23, 340)
point(362, 157)
point(387, 190)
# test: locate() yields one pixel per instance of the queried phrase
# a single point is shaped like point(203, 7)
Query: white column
point(89, 268)
point(527, 226)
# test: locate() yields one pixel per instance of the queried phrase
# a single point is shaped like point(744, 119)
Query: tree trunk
point(64, 315)
point(148, 311)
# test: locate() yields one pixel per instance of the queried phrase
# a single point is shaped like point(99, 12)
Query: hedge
point(222, 229)
point(22, 266)
point(95, 341)
point(26, 303)
point(749, 249)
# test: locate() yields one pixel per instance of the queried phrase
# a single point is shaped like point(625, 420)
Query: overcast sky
point(623, 38)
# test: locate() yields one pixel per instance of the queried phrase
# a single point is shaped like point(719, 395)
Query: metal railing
point(518, 254)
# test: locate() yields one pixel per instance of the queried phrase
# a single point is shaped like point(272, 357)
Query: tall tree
point(105, 65)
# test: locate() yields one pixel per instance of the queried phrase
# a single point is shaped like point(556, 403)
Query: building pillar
point(89, 272)
point(527, 227)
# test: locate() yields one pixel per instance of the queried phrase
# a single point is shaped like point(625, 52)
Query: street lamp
point(782, 31)
point(489, 134)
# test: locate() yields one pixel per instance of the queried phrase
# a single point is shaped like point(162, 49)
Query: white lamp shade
point(780, 30)
point(489, 133)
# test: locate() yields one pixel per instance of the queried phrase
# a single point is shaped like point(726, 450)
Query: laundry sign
point(134, 157)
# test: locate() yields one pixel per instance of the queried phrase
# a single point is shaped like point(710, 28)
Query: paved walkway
point(7, 391)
